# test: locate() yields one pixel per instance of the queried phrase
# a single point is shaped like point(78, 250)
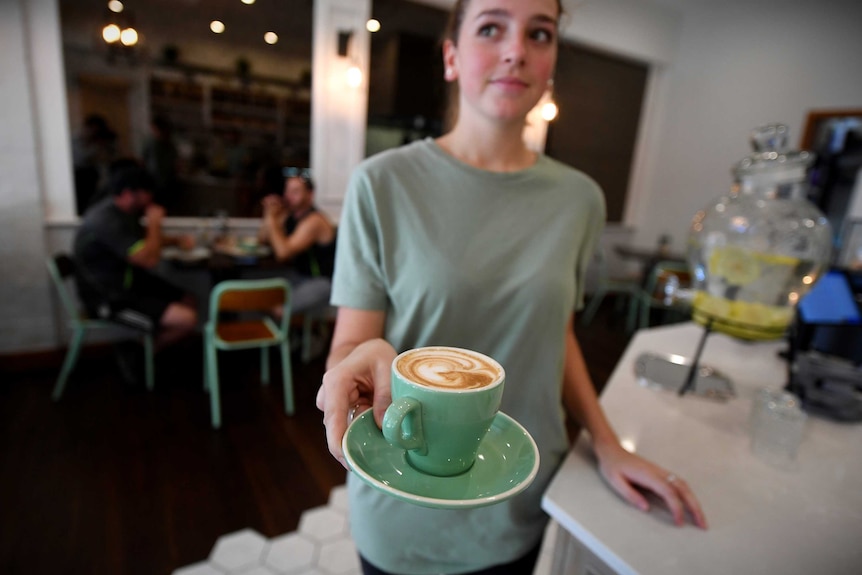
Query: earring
point(449, 74)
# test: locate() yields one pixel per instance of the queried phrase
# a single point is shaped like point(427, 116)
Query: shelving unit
point(227, 129)
point(204, 107)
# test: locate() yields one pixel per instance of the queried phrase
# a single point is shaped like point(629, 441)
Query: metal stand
point(676, 374)
point(695, 362)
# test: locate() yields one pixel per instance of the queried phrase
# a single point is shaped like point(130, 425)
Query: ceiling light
point(372, 25)
point(249, 2)
point(111, 33)
point(270, 37)
point(115, 6)
point(217, 26)
point(129, 37)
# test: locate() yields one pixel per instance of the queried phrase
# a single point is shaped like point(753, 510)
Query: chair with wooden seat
point(62, 269)
point(666, 282)
point(240, 318)
point(627, 290)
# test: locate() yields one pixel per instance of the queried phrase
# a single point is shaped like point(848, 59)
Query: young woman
point(472, 240)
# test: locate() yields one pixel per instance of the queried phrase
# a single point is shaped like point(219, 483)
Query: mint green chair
point(240, 318)
point(61, 268)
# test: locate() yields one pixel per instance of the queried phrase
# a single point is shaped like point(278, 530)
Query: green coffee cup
point(444, 400)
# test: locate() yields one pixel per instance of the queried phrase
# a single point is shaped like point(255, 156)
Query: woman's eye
point(542, 35)
point(489, 30)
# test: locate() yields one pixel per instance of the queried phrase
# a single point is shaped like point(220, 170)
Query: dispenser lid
point(772, 156)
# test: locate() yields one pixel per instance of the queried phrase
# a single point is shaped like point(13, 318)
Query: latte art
point(448, 368)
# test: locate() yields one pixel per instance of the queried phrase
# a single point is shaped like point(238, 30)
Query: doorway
point(600, 99)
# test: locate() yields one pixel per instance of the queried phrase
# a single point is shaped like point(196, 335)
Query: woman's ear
point(450, 68)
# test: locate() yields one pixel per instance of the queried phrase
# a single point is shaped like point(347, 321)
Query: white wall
point(738, 65)
point(25, 305)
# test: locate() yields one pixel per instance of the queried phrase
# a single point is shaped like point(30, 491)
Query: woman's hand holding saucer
point(358, 382)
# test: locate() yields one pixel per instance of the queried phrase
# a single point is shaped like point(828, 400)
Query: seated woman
point(304, 236)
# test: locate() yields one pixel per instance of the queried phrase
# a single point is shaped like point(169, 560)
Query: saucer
point(506, 464)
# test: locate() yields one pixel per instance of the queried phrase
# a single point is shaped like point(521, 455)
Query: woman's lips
point(510, 84)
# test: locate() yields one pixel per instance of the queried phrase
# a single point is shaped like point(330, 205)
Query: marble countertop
point(763, 520)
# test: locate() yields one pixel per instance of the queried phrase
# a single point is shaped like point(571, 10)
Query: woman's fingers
point(358, 382)
point(626, 472)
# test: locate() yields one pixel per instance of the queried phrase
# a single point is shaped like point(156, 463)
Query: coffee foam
point(448, 368)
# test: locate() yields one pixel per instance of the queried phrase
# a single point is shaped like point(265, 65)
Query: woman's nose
point(514, 50)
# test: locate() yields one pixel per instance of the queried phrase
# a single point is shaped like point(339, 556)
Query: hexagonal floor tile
point(239, 550)
point(259, 570)
point(339, 557)
point(338, 499)
point(291, 552)
point(203, 568)
point(322, 524)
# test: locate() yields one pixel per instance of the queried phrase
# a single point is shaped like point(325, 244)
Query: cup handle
point(402, 425)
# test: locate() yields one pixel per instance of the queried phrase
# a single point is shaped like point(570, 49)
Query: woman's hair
point(451, 32)
point(456, 19)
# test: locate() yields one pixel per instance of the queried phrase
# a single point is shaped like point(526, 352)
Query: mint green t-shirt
point(488, 261)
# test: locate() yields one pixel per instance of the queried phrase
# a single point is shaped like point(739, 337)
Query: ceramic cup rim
point(498, 381)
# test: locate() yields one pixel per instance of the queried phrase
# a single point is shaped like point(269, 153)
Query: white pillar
point(338, 111)
point(44, 43)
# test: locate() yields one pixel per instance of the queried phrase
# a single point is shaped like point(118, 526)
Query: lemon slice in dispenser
point(735, 265)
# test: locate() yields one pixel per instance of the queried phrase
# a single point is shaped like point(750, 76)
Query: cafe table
point(200, 269)
point(799, 519)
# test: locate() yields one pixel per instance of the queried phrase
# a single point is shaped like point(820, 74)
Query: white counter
point(762, 520)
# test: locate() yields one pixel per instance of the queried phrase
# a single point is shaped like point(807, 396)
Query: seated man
point(303, 236)
point(114, 253)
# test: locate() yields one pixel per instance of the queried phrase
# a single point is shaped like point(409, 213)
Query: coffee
point(448, 368)
point(444, 401)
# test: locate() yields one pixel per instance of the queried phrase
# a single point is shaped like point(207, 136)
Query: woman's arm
point(624, 471)
point(358, 373)
point(306, 234)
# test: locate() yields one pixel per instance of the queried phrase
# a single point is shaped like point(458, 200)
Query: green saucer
point(506, 465)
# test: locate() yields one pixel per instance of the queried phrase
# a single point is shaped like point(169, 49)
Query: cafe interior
point(656, 100)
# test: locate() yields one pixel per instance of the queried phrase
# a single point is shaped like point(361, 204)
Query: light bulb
point(354, 76)
point(270, 37)
point(549, 111)
point(249, 2)
point(372, 25)
point(111, 33)
point(129, 37)
point(115, 6)
point(217, 26)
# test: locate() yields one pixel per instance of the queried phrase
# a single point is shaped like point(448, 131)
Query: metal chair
point(61, 267)
point(628, 289)
point(239, 318)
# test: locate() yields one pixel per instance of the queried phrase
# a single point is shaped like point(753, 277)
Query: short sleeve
point(594, 222)
point(359, 280)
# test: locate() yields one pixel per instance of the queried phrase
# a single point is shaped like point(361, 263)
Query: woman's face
point(504, 57)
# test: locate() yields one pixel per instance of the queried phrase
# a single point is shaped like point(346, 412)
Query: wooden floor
point(117, 480)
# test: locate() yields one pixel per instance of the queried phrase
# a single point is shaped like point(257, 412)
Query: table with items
point(805, 517)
